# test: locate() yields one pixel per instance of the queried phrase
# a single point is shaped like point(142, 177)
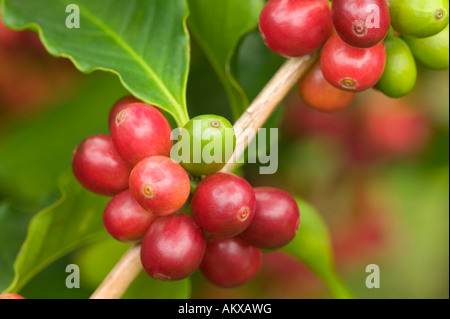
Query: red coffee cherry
point(276, 219)
point(140, 131)
point(125, 219)
point(396, 130)
point(98, 167)
point(351, 68)
point(317, 93)
point(293, 28)
point(10, 296)
point(25, 40)
point(230, 262)
point(160, 185)
point(361, 23)
point(172, 248)
point(223, 204)
point(119, 106)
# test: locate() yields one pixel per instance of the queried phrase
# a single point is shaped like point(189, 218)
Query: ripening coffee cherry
point(160, 185)
point(419, 18)
point(317, 93)
point(223, 204)
point(400, 74)
point(276, 219)
point(119, 106)
point(361, 23)
point(351, 68)
point(98, 167)
point(140, 131)
point(125, 219)
point(230, 262)
point(10, 296)
point(210, 143)
point(433, 52)
point(293, 28)
point(172, 248)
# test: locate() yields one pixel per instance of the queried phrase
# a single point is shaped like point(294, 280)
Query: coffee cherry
point(300, 121)
point(352, 68)
point(230, 262)
point(395, 129)
point(15, 41)
point(293, 28)
point(172, 248)
point(119, 106)
point(160, 185)
point(125, 219)
point(317, 93)
point(98, 167)
point(211, 142)
point(223, 204)
point(140, 131)
point(419, 18)
point(400, 74)
point(10, 296)
point(276, 219)
point(361, 23)
point(433, 52)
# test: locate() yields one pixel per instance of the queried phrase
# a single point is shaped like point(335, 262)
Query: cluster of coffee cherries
point(366, 43)
point(188, 215)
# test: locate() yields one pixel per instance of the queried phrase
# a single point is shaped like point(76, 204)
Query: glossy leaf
point(256, 64)
point(34, 155)
point(13, 226)
point(218, 26)
point(144, 42)
point(312, 246)
point(75, 219)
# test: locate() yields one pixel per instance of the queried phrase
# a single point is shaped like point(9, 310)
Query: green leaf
point(34, 154)
point(97, 260)
point(256, 64)
point(13, 225)
point(144, 42)
point(75, 219)
point(312, 246)
point(50, 283)
point(218, 26)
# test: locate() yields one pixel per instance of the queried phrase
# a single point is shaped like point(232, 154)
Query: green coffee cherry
point(419, 18)
point(211, 144)
point(433, 52)
point(400, 74)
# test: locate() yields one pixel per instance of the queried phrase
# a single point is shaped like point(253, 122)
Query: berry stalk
point(266, 102)
point(129, 267)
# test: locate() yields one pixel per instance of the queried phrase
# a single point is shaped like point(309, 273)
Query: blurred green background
point(377, 171)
